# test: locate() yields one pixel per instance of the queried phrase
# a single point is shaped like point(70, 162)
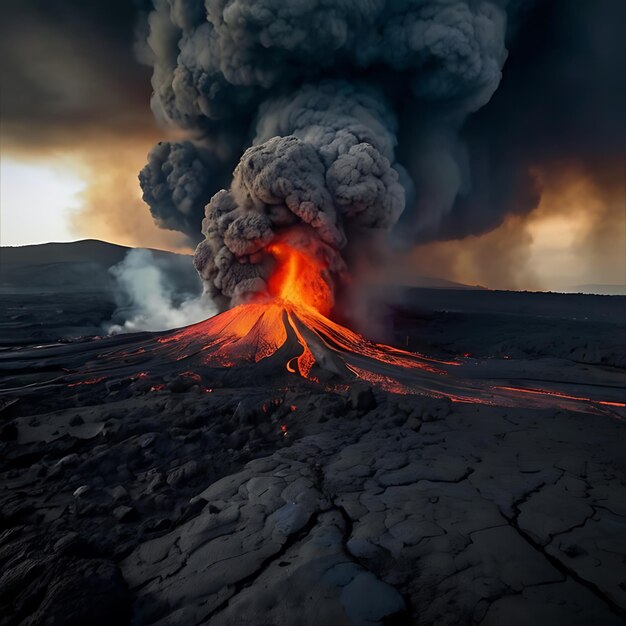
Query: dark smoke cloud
point(319, 91)
point(555, 127)
point(178, 178)
point(233, 74)
point(560, 106)
point(69, 73)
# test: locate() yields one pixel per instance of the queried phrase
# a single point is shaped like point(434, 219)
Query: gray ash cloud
point(178, 178)
point(311, 94)
point(560, 106)
point(400, 105)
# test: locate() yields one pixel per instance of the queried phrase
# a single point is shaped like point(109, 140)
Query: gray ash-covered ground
point(250, 497)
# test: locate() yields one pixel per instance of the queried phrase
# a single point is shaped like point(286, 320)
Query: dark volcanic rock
point(8, 432)
point(183, 473)
point(81, 491)
point(68, 591)
point(157, 525)
point(362, 397)
point(71, 544)
point(119, 493)
point(247, 411)
point(125, 513)
point(180, 384)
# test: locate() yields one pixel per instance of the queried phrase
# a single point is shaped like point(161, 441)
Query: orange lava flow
point(291, 330)
point(306, 360)
point(89, 381)
point(564, 396)
point(342, 338)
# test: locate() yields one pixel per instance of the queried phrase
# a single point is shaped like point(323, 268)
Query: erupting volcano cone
point(287, 333)
point(289, 329)
point(297, 339)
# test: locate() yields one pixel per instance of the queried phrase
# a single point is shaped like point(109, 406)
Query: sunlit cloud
point(38, 200)
point(575, 236)
point(84, 192)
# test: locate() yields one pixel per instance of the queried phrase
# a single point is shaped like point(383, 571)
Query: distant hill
point(79, 266)
point(427, 282)
point(104, 253)
point(403, 276)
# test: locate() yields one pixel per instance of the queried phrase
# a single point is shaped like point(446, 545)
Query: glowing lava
point(298, 279)
point(289, 331)
point(292, 322)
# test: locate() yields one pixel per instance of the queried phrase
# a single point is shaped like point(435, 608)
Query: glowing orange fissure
point(564, 396)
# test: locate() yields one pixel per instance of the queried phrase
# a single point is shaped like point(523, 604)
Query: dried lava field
point(222, 474)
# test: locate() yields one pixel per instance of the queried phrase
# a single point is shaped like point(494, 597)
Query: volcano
point(286, 333)
point(289, 328)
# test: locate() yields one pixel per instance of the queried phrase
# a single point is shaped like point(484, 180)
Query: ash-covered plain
point(150, 487)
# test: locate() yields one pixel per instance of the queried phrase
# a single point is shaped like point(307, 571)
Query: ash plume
point(176, 180)
point(317, 100)
point(73, 83)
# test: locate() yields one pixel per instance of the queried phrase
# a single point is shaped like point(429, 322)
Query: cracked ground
point(306, 507)
point(269, 500)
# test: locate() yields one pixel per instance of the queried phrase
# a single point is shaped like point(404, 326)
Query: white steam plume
point(148, 299)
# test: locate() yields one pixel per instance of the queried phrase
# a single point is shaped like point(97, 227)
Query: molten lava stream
point(339, 338)
point(562, 399)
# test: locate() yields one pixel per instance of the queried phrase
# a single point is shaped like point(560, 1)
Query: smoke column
point(335, 117)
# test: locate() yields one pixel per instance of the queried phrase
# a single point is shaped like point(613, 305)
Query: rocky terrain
point(248, 506)
point(250, 496)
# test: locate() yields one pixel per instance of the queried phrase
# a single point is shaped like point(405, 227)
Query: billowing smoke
point(321, 161)
point(176, 181)
point(329, 103)
point(149, 296)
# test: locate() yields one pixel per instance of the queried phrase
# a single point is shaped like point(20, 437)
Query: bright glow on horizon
point(554, 252)
point(37, 200)
point(578, 236)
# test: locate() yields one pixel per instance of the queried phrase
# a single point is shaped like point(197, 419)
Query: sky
point(76, 126)
point(22, 186)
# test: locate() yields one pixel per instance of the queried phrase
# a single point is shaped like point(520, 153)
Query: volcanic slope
point(287, 330)
point(276, 340)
